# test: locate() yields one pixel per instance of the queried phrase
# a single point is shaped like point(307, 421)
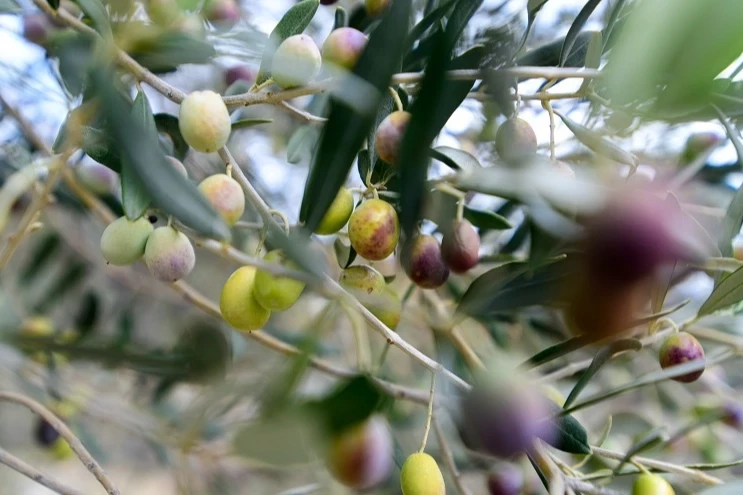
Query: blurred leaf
point(455, 158)
point(169, 190)
point(476, 299)
point(99, 146)
point(729, 488)
point(549, 54)
point(73, 51)
point(382, 172)
point(245, 123)
point(532, 9)
point(87, 314)
point(284, 439)
point(346, 129)
point(134, 197)
point(95, 10)
point(41, 255)
point(294, 21)
point(570, 435)
point(593, 57)
point(575, 28)
point(53, 4)
point(169, 50)
point(486, 219)
point(673, 50)
point(351, 403)
point(206, 350)
point(607, 32)
point(733, 220)
point(660, 314)
point(428, 20)
point(435, 103)
point(386, 107)
point(599, 144)
point(728, 291)
point(647, 441)
point(302, 143)
point(70, 278)
point(602, 356)
point(168, 124)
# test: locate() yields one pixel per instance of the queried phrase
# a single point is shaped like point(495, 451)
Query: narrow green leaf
point(134, 197)
point(169, 190)
point(612, 22)
point(570, 435)
point(340, 19)
point(168, 124)
point(728, 292)
point(345, 130)
point(593, 57)
point(245, 123)
point(53, 4)
point(429, 20)
point(87, 314)
point(294, 21)
point(302, 144)
point(660, 314)
point(556, 351)
point(602, 356)
point(647, 441)
point(486, 219)
point(352, 402)
point(9, 7)
point(69, 279)
point(99, 146)
point(385, 108)
point(436, 102)
point(575, 28)
point(74, 53)
point(344, 253)
point(455, 158)
point(598, 144)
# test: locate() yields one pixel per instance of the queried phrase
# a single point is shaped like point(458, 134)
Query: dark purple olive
point(505, 479)
point(45, 433)
point(681, 348)
point(424, 264)
point(460, 247)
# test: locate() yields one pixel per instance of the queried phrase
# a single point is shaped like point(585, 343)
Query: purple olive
point(460, 246)
point(680, 348)
point(505, 479)
point(424, 263)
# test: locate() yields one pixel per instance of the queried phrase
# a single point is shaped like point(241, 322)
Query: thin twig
point(306, 116)
point(449, 458)
point(34, 474)
point(429, 414)
point(75, 444)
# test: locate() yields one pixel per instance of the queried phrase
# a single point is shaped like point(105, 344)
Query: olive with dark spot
point(679, 348)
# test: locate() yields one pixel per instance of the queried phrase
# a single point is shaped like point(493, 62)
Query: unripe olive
point(505, 479)
point(163, 12)
point(96, 177)
point(368, 286)
point(276, 293)
point(338, 214)
point(389, 135)
point(651, 484)
point(424, 263)
point(36, 28)
point(204, 121)
point(61, 449)
point(361, 457)
point(515, 141)
point(239, 73)
point(680, 348)
point(343, 47)
point(238, 304)
point(169, 254)
point(377, 7)
point(420, 475)
point(37, 326)
point(222, 13)
point(460, 246)
point(296, 61)
point(123, 241)
point(225, 195)
point(192, 25)
point(178, 165)
point(503, 421)
point(374, 229)
point(738, 247)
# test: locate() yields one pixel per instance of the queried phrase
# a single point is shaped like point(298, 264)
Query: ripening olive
point(225, 195)
point(123, 241)
point(505, 479)
point(361, 456)
point(515, 141)
point(424, 263)
point(377, 7)
point(296, 61)
point(680, 348)
point(169, 254)
point(374, 229)
point(343, 47)
point(460, 247)
point(420, 475)
point(96, 177)
point(238, 304)
point(273, 292)
point(204, 121)
point(389, 135)
point(222, 13)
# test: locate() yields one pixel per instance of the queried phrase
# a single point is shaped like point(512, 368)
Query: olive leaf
point(598, 144)
point(575, 28)
point(134, 197)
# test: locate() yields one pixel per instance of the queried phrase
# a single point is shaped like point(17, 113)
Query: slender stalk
point(34, 474)
point(429, 414)
point(449, 459)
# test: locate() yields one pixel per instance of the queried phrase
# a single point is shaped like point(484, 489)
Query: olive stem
point(693, 474)
point(306, 116)
point(283, 218)
point(396, 98)
point(548, 106)
point(75, 444)
point(429, 414)
point(363, 352)
point(460, 209)
point(32, 473)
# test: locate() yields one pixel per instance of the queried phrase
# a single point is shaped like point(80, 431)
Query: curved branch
point(34, 474)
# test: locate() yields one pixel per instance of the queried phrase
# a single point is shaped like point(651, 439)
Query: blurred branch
point(26, 127)
point(75, 444)
point(31, 472)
